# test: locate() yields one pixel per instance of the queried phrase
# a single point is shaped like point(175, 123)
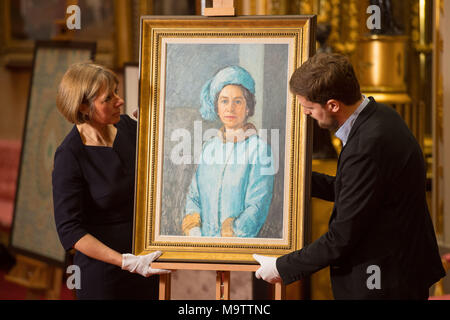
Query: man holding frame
point(381, 242)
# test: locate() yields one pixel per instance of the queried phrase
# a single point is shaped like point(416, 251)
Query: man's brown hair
point(326, 76)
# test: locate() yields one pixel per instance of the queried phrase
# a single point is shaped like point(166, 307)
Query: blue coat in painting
point(233, 180)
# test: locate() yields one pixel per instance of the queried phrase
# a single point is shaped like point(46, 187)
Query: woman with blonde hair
point(93, 184)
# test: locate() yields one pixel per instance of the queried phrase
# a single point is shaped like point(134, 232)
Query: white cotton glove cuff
point(141, 264)
point(268, 270)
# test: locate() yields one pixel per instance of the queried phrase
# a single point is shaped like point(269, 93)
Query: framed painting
point(223, 156)
point(33, 229)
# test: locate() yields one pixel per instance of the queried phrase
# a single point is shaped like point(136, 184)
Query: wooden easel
point(222, 277)
point(38, 277)
point(220, 8)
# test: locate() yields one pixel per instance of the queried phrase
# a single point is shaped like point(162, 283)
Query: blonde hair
point(81, 84)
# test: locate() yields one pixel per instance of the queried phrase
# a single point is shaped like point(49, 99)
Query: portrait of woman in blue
point(231, 191)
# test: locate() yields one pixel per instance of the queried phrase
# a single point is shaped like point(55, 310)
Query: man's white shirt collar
point(343, 132)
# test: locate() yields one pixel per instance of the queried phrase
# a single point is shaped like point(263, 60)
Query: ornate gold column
point(344, 17)
point(381, 62)
point(124, 44)
point(420, 83)
point(438, 132)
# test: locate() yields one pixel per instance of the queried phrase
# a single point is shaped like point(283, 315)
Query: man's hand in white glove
point(268, 270)
point(141, 264)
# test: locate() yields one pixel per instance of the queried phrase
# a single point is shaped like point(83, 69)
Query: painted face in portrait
point(232, 107)
point(229, 82)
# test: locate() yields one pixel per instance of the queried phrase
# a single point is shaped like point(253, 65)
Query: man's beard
point(331, 125)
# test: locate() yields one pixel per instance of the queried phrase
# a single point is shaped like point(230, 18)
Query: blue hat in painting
point(229, 75)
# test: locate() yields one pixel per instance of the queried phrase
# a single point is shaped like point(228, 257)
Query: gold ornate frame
point(299, 31)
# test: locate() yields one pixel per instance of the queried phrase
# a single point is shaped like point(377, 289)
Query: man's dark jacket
point(380, 216)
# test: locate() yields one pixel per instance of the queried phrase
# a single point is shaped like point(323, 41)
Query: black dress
point(93, 192)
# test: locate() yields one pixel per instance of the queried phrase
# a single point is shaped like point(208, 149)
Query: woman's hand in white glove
point(141, 264)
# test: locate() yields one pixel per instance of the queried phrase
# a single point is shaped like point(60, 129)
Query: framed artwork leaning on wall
point(33, 231)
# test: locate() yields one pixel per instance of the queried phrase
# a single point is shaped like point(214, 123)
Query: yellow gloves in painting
point(227, 228)
point(190, 221)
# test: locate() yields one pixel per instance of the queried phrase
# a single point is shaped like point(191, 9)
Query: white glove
point(268, 270)
point(141, 264)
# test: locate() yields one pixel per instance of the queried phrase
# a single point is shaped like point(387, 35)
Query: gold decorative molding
point(18, 52)
point(324, 11)
point(348, 46)
point(415, 22)
point(381, 63)
point(307, 7)
point(345, 33)
point(419, 22)
point(439, 107)
point(277, 7)
point(156, 31)
point(124, 45)
point(438, 170)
